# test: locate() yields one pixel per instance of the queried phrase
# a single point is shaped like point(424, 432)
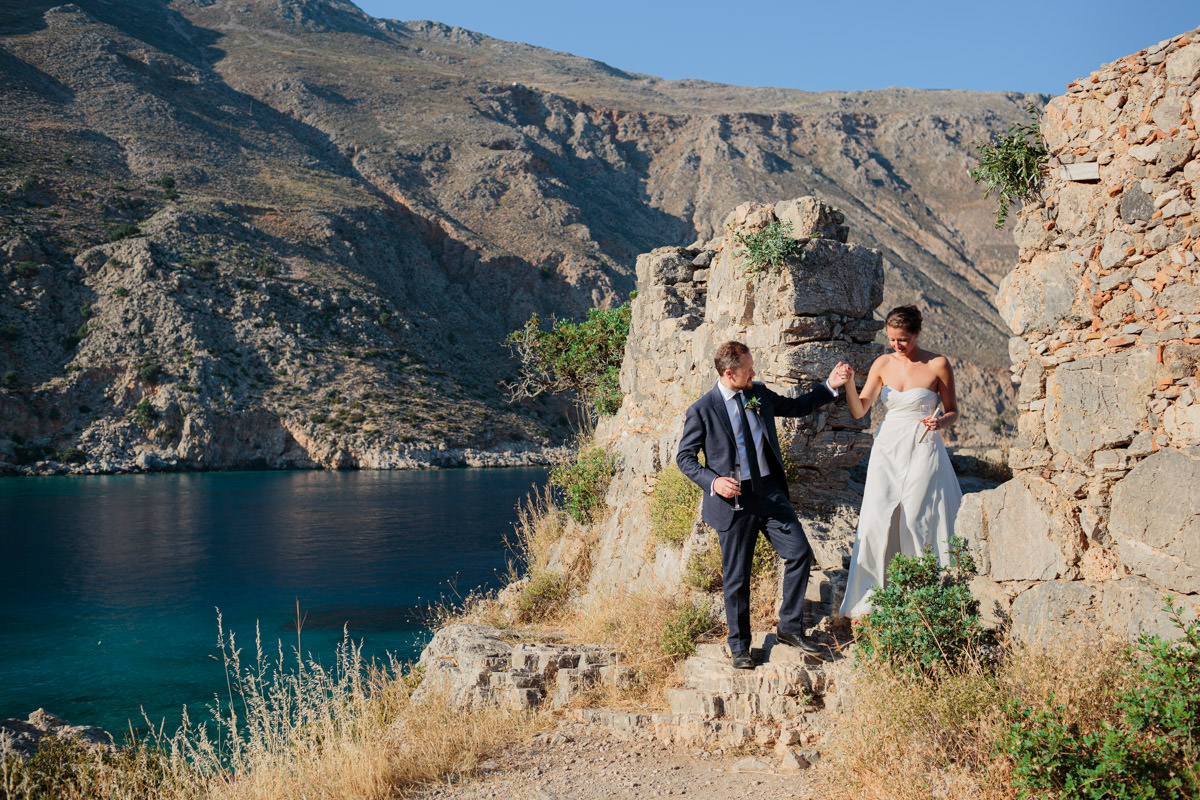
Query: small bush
point(583, 357)
point(925, 619)
point(545, 594)
point(770, 248)
point(144, 414)
point(26, 270)
point(703, 569)
point(71, 455)
point(584, 482)
point(166, 182)
point(1012, 165)
point(9, 381)
point(123, 231)
point(149, 372)
point(692, 620)
point(1151, 751)
point(121, 291)
point(674, 507)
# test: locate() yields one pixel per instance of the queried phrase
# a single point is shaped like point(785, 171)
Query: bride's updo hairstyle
point(906, 318)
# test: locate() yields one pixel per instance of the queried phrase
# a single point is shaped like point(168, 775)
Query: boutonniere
point(754, 404)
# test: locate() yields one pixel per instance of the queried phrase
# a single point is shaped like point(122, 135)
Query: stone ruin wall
point(1102, 518)
point(798, 324)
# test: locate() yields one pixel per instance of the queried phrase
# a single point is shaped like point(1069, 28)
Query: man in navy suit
point(717, 423)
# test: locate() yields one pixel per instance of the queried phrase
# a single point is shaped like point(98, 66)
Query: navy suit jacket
point(707, 427)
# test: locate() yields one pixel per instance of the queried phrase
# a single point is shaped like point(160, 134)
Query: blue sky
point(1020, 45)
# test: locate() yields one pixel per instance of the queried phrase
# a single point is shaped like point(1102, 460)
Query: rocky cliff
point(283, 233)
point(799, 322)
point(1101, 521)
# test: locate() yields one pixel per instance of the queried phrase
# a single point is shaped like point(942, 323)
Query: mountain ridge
point(435, 193)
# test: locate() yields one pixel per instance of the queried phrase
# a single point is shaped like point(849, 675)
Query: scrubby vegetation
point(769, 249)
point(1011, 165)
point(584, 481)
point(580, 357)
point(674, 507)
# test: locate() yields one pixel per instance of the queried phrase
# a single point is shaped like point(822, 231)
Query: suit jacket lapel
point(718, 404)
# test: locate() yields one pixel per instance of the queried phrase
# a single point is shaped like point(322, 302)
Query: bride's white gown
point(910, 498)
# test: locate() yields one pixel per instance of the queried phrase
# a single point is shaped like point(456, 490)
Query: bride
point(911, 494)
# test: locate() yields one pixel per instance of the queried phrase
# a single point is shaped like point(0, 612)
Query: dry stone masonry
point(799, 322)
point(1102, 518)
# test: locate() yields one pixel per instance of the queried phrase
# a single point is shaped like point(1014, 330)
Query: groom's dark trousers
point(707, 429)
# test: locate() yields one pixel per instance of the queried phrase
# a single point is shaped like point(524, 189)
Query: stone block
point(1098, 402)
point(1013, 533)
point(1040, 295)
point(1155, 520)
point(1134, 605)
point(1184, 65)
point(1052, 613)
point(810, 217)
point(993, 600)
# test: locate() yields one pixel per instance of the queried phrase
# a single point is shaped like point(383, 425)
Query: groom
point(734, 424)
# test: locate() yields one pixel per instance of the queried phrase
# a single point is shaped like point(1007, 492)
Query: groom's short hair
point(729, 356)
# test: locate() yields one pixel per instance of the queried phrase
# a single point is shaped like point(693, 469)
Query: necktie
point(751, 450)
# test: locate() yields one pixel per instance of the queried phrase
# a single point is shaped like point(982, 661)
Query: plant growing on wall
point(768, 249)
point(1011, 165)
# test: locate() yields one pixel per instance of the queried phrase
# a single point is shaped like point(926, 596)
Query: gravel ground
point(590, 762)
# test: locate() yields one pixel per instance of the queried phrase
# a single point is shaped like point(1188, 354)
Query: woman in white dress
point(911, 495)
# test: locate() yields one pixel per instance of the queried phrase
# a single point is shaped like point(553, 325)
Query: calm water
point(109, 585)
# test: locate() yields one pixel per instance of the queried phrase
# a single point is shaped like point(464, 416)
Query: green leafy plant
point(1150, 751)
point(925, 619)
point(9, 381)
point(149, 372)
point(582, 357)
point(26, 270)
point(71, 455)
point(123, 231)
point(121, 291)
point(674, 507)
point(693, 619)
point(1011, 165)
point(545, 593)
point(144, 414)
point(584, 482)
point(768, 249)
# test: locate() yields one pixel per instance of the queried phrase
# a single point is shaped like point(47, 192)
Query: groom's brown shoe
point(799, 640)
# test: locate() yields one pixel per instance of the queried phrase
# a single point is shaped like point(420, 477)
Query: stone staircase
point(780, 702)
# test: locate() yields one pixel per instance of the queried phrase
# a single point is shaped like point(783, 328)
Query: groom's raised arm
point(690, 445)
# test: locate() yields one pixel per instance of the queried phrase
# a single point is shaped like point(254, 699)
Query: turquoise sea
point(110, 585)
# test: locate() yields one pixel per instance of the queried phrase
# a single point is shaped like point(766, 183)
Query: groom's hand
point(839, 375)
point(727, 487)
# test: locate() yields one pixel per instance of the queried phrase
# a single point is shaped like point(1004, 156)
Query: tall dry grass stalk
point(913, 737)
point(286, 727)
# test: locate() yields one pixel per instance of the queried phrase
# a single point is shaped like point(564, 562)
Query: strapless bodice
point(912, 403)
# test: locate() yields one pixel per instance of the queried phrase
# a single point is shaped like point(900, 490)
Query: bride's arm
point(860, 403)
point(941, 368)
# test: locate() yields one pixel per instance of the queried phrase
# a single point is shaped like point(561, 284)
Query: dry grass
point(287, 728)
point(910, 738)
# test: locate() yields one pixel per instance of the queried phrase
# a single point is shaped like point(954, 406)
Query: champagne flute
point(736, 475)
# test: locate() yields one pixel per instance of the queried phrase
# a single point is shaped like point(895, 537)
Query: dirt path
point(591, 762)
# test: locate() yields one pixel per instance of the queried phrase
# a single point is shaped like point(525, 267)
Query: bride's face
point(901, 341)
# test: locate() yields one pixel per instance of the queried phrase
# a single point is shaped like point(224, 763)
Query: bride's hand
point(932, 422)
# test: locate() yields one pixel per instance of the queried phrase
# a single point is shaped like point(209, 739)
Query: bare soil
point(591, 762)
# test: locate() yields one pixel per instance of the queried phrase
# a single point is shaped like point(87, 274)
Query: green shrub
point(1150, 752)
point(121, 291)
point(693, 619)
point(703, 569)
point(9, 381)
point(123, 231)
point(583, 357)
point(1012, 165)
point(71, 455)
point(166, 182)
point(545, 593)
point(925, 619)
point(674, 507)
point(144, 414)
point(26, 270)
point(584, 482)
point(769, 248)
point(149, 372)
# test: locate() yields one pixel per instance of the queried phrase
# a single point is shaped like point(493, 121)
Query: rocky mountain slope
point(284, 233)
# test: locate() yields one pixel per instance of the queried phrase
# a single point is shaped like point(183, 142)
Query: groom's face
point(742, 378)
